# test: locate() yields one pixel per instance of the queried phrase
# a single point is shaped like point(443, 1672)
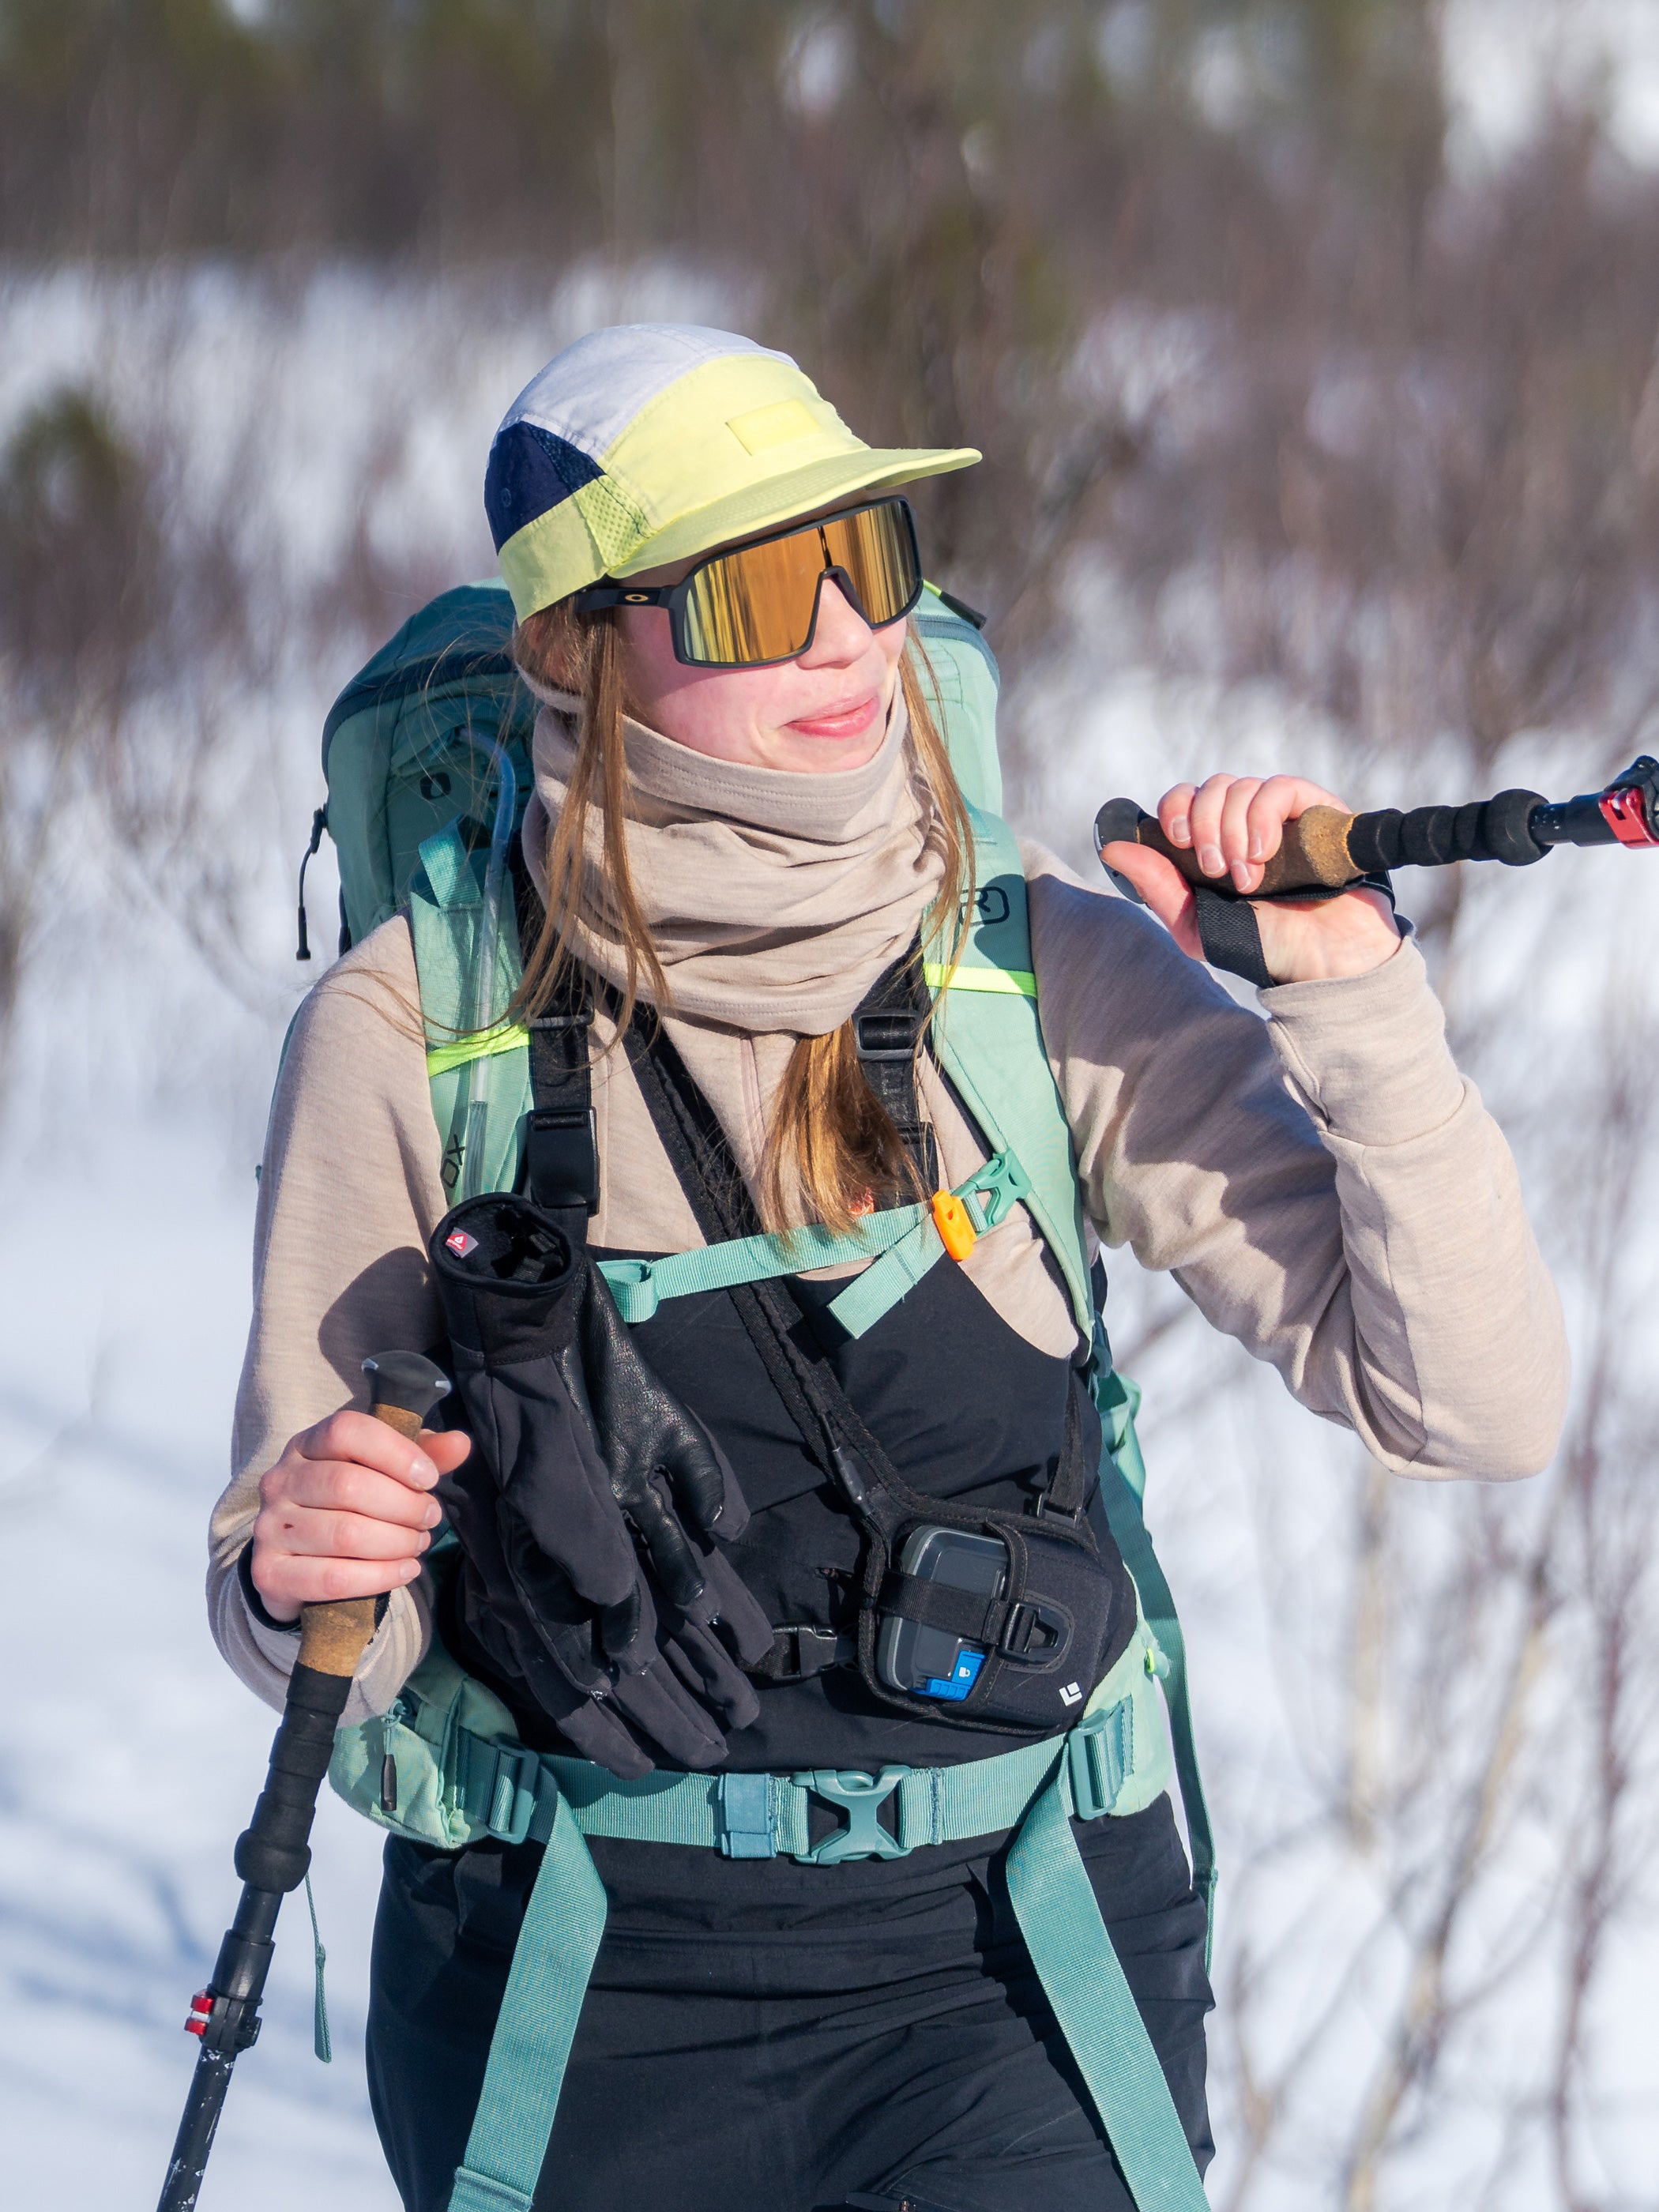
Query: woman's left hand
point(1235, 823)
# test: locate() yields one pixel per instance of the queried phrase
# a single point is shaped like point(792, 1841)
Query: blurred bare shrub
point(79, 611)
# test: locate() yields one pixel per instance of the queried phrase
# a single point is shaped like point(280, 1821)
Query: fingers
point(677, 1566)
point(705, 1488)
point(347, 1512)
point(288, 1579)
point(345, 1486)
point(368, 1442)
point(1235, 823)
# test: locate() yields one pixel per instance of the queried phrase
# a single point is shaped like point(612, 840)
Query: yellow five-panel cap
point(644, 443)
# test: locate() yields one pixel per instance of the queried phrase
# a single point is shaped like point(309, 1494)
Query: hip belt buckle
point(861, 1796)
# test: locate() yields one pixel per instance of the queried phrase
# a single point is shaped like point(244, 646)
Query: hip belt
point(1116, 1761)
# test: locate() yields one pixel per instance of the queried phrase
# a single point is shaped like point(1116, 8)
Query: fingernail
point(1242, 874)
point(1180, 830)
point(423, 1469)
point(435, 1513)
point(1257, 845)
point(1209, 860)
point(408, 1569)
point(425, 1540)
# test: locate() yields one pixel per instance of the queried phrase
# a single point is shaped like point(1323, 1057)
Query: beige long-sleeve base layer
point(1323, 1184)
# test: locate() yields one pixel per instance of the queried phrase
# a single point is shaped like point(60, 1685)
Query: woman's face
point(827, 709)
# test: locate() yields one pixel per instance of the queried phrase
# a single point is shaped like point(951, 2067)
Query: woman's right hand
point(347, 1512)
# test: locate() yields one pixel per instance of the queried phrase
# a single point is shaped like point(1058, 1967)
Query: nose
point(842, 634)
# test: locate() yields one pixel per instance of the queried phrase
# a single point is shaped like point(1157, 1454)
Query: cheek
point(707, 708)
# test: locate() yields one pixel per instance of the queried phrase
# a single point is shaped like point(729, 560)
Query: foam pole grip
point(1434, 836)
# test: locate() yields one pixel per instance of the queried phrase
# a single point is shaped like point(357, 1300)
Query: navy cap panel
point(531, 471)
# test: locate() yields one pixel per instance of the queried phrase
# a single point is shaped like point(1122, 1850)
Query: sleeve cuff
point(1368, 1054)
point(255, 1604)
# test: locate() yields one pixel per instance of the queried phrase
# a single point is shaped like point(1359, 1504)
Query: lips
point(848, 720)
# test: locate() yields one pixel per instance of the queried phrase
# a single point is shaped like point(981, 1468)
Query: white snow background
point(129, 1756)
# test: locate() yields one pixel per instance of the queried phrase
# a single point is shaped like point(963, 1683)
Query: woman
point(744, 819)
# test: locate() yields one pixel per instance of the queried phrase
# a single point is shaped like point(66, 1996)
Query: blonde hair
point(832, 1149)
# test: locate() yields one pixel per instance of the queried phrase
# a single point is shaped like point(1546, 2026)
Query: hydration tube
point(484, 958)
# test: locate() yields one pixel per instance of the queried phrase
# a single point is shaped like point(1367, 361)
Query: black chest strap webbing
point(887, 1028)
point(560, 1143)
point(561, 1147)
point(561, 1158)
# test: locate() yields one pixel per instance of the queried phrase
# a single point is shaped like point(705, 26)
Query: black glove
point(535, 1632)
point(666, 1470)
point(579, 1451)
point(513, 1287)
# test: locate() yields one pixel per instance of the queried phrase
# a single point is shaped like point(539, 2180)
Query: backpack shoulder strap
point(480, 1083)
point(962, 681)
point(988, 1037)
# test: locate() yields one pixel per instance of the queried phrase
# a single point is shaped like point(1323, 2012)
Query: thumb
point(446, 1448)
point(1160, 883)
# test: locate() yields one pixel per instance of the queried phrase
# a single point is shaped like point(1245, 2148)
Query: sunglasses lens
point(757, 605)
point(876, 547)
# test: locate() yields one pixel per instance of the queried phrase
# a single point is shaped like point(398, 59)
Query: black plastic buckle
point(561, 1150)
point(884, 1036)
point(1029, 1626)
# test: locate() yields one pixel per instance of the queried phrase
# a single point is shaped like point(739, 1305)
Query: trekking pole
point(1326, 848)
point(273, 1852)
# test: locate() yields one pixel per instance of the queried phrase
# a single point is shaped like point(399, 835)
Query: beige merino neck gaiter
point(775, 899)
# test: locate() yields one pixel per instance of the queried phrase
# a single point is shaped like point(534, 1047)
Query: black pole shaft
point(273, 1852)
point(196, 2129)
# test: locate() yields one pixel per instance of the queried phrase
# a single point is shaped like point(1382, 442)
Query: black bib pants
point(796, 2038)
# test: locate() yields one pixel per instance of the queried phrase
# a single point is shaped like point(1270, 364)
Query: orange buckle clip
point(954, 1225)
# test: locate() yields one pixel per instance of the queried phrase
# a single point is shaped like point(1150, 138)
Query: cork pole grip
point(1313, 853)
point(403, 1390)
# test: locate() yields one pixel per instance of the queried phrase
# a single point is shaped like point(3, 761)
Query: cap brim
point(781, 498)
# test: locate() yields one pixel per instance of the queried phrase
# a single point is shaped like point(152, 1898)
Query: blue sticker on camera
point(961, 1680)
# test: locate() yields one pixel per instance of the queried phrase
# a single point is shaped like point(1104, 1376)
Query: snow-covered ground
point(129, 1757)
